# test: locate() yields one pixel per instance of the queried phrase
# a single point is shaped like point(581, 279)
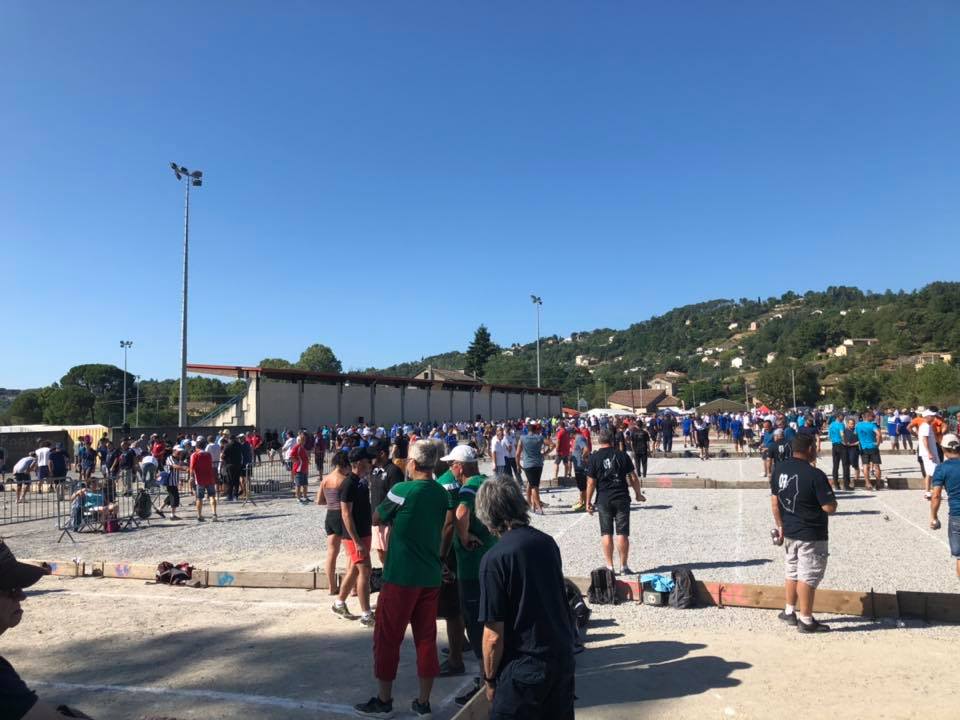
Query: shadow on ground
point(648, 671)
point(710, 565)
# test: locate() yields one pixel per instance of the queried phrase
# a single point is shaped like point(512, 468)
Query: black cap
point(377, 446)
point(17, 575)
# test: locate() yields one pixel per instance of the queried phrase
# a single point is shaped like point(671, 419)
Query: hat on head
point(16, 575)
point(929, 413)
point(461, 453)
point(375, 447)
point(950, 442)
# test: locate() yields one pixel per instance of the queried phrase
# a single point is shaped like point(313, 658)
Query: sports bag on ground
point(684, 593)
point(603, 587)
point(578, 608)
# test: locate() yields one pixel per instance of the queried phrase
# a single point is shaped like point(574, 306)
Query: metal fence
point(35, 500)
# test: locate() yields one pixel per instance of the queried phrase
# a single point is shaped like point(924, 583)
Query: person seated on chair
point(85, 501)
point(17, 701)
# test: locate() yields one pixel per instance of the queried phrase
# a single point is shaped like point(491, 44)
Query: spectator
point(299, 460)
point(43, 463)
point(357, 526)
point(231, 463)
point(246, 466)
point(839, 453)
point(530, 451)
point(668, 425)
point(173, 468)
point(802, 501)
point(528, 667)
point(201, 472)
point(510, 458)
point(411, 581)
point(927, 450)
point(610, 473)
point(498, 452)
point(22, 470)
point(946, 476)
point(384, 476)
point(564, 446)
point(329, 494)
point(580, 454)
point(319, 448)
point(640, 442)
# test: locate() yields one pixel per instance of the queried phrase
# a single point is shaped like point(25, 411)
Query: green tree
point(507, 370)
point(104, 381)
point(69, 405)
point(319, 358)
point(277, 363)
point(775, 385)
point(480, 351)
point(25, 409)
point(938, 384)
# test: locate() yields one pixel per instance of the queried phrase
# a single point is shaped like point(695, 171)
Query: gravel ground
point(878, 540)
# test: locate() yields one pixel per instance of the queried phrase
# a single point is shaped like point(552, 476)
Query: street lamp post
point(539, 303)
point(137, 418)
point(126, 345)
point(194, 179)
point(793, 383)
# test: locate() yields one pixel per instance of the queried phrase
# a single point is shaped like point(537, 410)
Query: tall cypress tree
point(481, 349)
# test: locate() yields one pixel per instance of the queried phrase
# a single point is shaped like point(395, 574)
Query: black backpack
point(603, 587)
point(684, 593)
point(578, 608)
point(142, 505)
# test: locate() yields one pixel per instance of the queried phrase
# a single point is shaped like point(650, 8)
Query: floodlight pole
point(125, 344)
point(193, 178)
point(793, 383)
point(137, 419)
point(538, 302)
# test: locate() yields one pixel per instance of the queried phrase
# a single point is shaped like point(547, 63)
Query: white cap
point(950, 442)
point(929, 413)
point(461, 453)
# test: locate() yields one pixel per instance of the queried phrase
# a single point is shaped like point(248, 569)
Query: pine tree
point(481, 349)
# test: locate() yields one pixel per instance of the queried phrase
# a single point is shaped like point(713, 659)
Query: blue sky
point(384, 177)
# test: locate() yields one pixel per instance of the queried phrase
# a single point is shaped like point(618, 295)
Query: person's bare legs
point(535, 503)
point(213, 504)
point(790, 592)
point(426, 687)
point(623, 549)
point(346, 587)
point(805, 596)
point(333, 551)
point(363, 585)
point(606, 544)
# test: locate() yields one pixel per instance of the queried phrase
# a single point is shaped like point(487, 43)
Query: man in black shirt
point(231, 462)
point(357, 526)
point(385, 475)
point(528, 667)
point(801, 500)
point(610, 472)
point(668, 425)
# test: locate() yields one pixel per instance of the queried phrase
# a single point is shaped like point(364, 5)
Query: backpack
point(142, 505)
point(603, 587)
point(170, 574)
point(684, 593)
point(579, 612)
point(376, 580)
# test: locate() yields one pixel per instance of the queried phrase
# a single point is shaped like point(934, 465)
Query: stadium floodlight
point(538, 301)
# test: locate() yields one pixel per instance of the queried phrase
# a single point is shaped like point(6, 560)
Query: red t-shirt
point(300, 458)
point(586, 434)
point(158, 450)
point(563, 442)
point(201, 464)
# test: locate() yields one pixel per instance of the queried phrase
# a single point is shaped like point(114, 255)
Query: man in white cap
point(947, 477)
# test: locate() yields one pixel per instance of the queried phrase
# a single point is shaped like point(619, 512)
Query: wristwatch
point(490, 681)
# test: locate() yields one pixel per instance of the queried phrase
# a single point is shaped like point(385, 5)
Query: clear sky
point(384, 177)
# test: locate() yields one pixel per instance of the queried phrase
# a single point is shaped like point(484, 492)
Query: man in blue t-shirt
point(868, 433)
point(947, 475)
point(840, 454)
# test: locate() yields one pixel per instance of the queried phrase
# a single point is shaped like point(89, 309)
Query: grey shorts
point(204, 491)
point(806, 560)
point(301, 479)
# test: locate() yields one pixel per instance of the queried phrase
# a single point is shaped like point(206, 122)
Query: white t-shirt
point(498, 446)
point(148, 460)
point(214, 450)
point(287, 447)
point(24, 464)
point(43, 455)
point(927, 447)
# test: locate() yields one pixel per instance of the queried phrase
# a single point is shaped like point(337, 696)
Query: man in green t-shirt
point(411, 580)
point(448, 606)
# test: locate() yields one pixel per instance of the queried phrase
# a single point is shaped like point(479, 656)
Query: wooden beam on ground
point(129, 571)
point(226, 578)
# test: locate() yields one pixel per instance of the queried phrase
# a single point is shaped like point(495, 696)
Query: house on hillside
point(442, 375)
point(636, 400)
point(508, 353)
point(737, 363)
point(754, 326)
point(733, 326)
point(661, 381)
point(934, 358)
point(584, 360)
point(771, 356)
point(860, 342)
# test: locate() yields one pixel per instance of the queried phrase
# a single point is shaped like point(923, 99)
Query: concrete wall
point(293, 404)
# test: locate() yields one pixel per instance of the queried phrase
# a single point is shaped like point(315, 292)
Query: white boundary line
point(206, 695)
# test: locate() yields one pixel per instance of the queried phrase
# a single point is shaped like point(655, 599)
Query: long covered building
point(287, 398)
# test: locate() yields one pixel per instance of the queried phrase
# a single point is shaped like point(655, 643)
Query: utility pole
point(194, 179)
point(793, 383)
point(539, 303)
point(137, 421)
point(125, 344)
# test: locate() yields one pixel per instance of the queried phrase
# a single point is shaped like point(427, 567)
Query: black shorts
point(333, 523)
point(870, 456)
point(22, 478)
point(561, 459)
point(581, 477)
point(448, 604)
point(531, 688)
point(533, 475)
point(615, 512)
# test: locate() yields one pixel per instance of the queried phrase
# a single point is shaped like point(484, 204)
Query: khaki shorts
point(806, 560)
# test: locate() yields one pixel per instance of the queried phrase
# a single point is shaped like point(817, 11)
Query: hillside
point(709, 340)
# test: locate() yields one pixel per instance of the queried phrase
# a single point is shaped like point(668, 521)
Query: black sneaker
point(788, 618)
point(462, 700)
point(421, 710)
point(814, 627)
point(375, 708)
point(449, 670)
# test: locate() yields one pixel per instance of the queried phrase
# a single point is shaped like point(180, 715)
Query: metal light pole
point(195, 179)
point(137, 421)
point(793, 383)
point(125, 344)
point(539, 303)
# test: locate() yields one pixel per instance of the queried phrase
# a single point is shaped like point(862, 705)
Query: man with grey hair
point(528, 667)
point(417, 509)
